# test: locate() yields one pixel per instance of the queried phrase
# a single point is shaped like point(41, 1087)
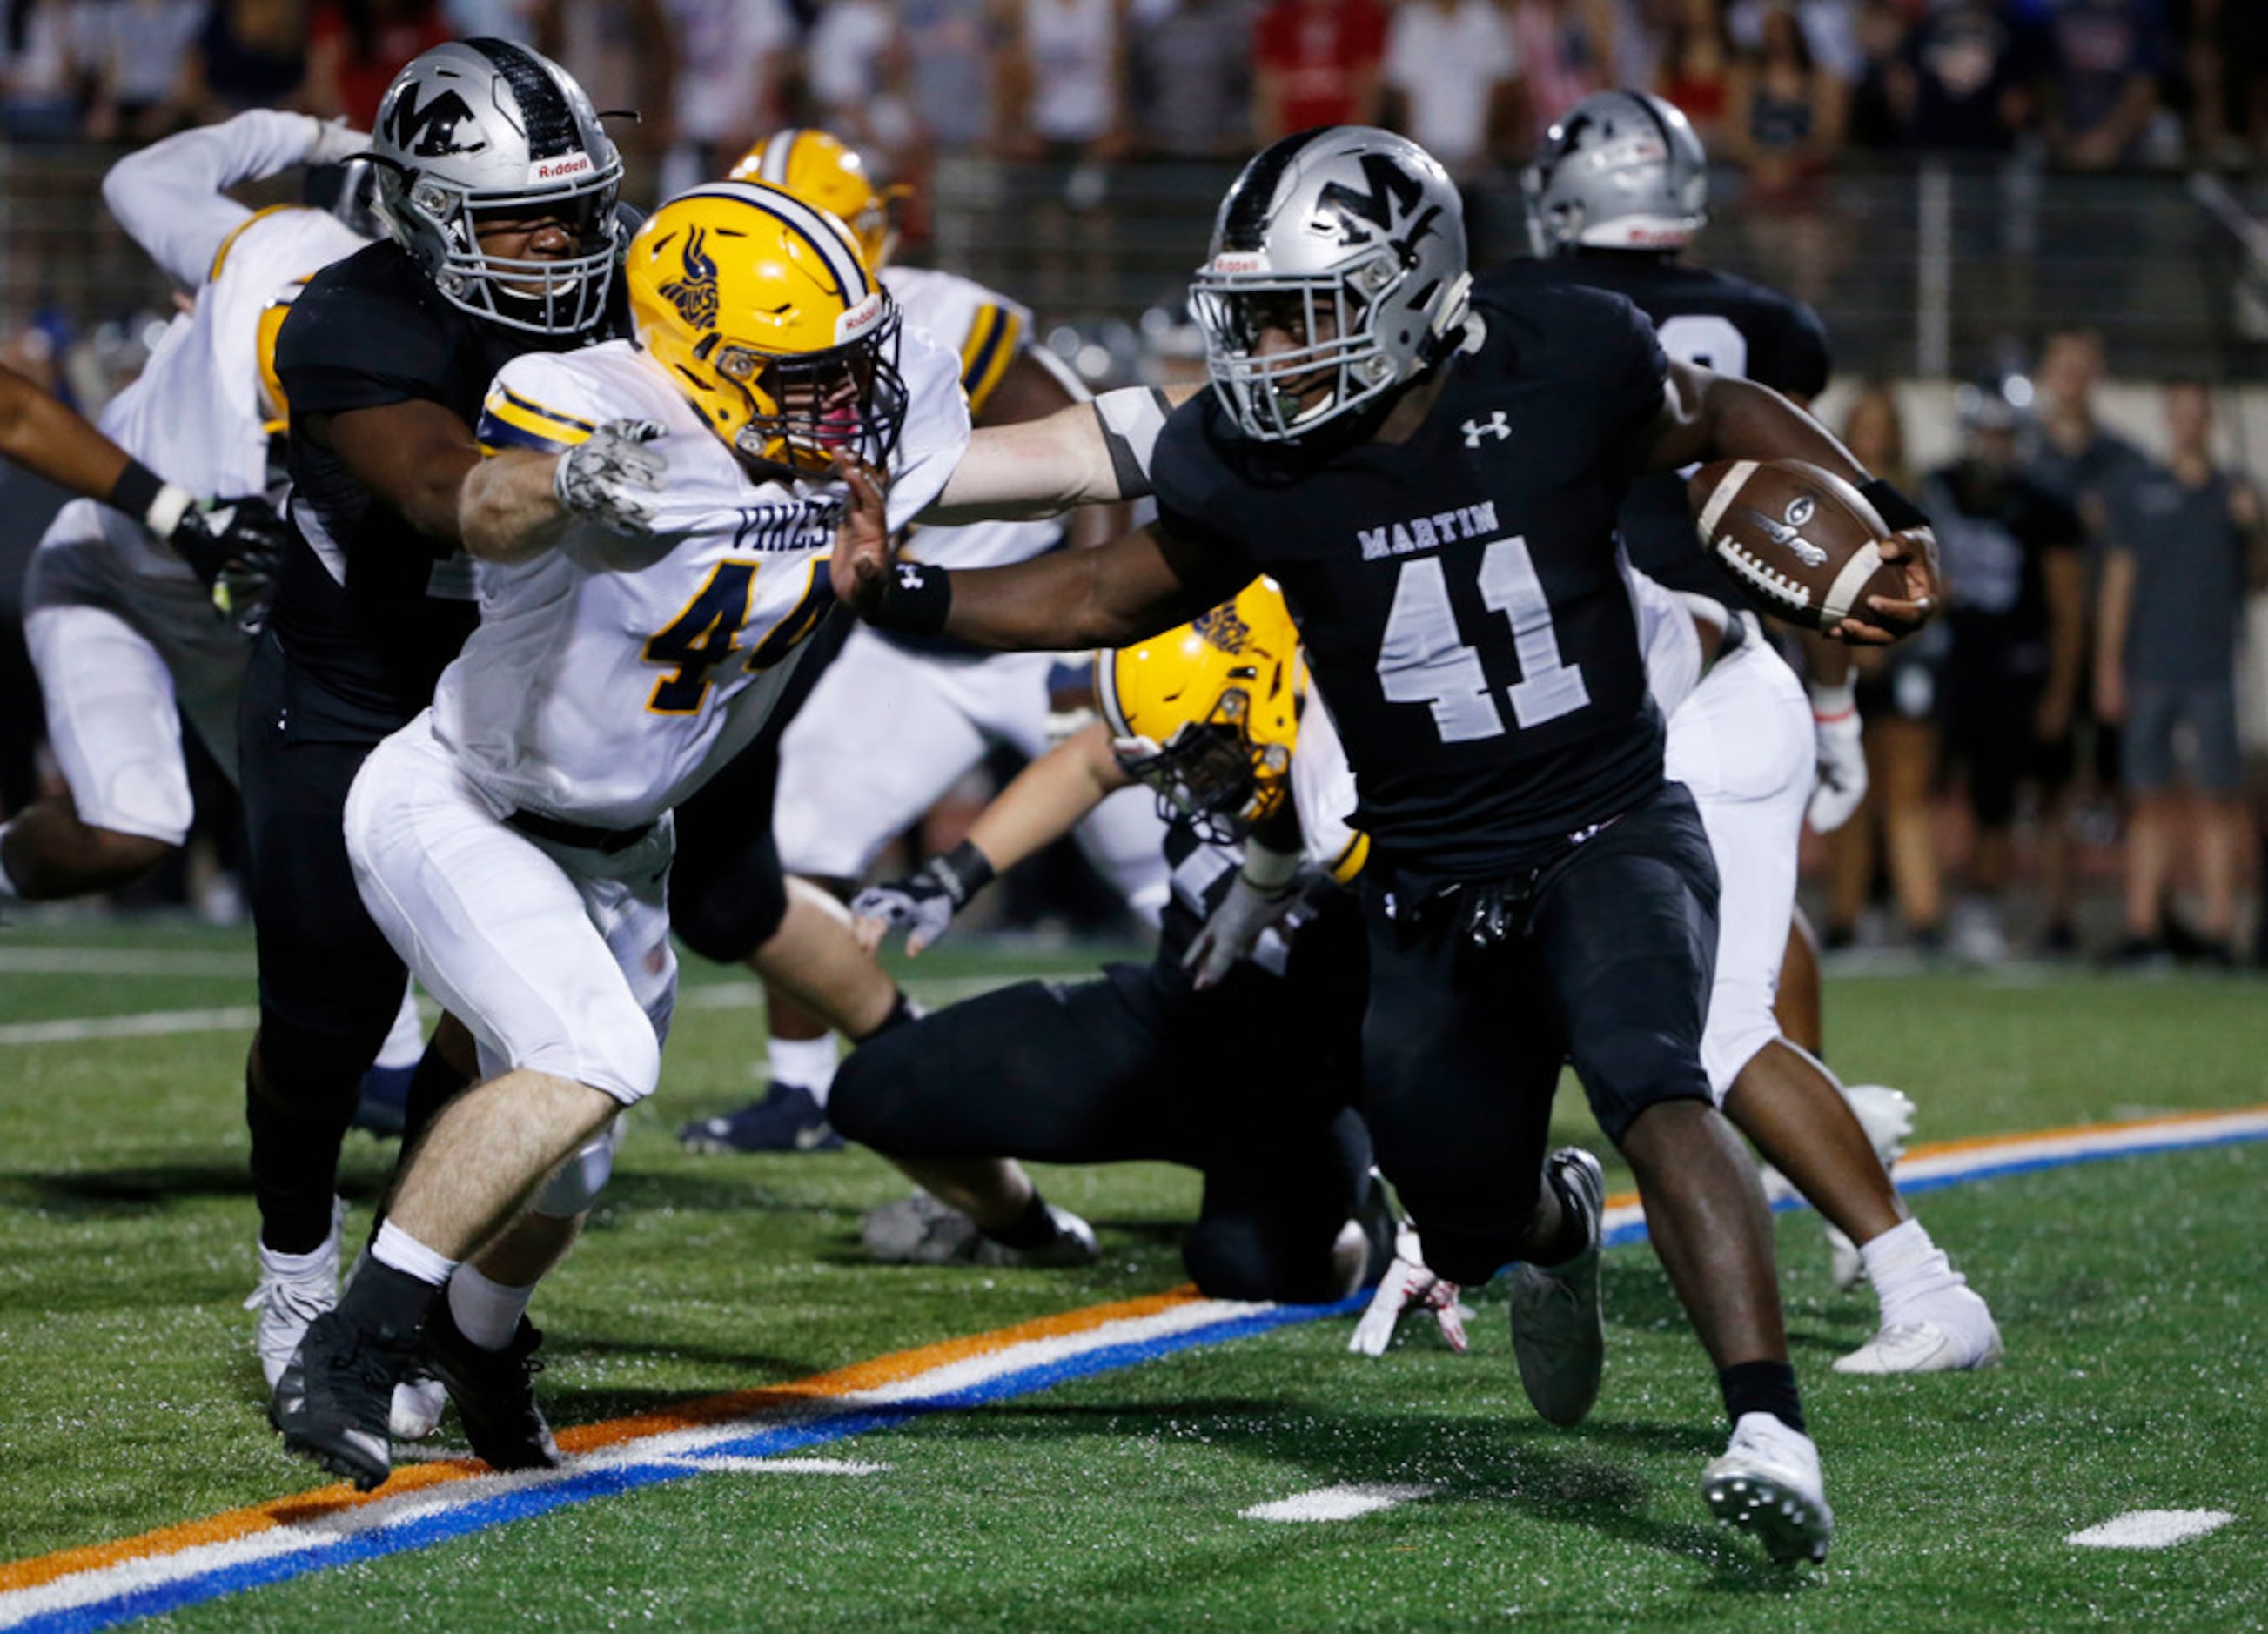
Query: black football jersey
point(1459, 595)
point(366, 604)
point(1718, 322)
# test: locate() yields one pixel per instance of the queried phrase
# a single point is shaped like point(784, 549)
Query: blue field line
point(458, 1520)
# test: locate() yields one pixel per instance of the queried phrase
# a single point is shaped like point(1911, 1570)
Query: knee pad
point(576, 1184)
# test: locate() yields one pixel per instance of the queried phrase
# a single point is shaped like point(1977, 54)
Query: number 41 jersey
point(1459, 595)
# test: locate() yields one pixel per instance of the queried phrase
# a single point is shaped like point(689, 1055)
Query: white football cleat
point(1768, 1482)
point(294, 1289)
point(1950, 1331)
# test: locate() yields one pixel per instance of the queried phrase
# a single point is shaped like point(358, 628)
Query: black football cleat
point(332, 1399)
point(493, 1392)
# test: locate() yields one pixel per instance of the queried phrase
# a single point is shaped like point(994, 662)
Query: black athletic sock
point(901, 1012)
point(295, 1174)
point(1574, 1223)
point(1034, 1228)
point(387, 1304)
point(1762, 1387)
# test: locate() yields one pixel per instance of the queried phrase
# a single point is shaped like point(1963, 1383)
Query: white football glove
point(924, 903)
point(1406, 1287)
point(1842, 758)
point(1247, 913)
point(612, 476)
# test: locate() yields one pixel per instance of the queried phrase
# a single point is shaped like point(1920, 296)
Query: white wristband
point(166, 510)
point(1832, 702)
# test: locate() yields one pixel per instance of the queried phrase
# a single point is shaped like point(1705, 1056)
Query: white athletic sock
point(806, 1062)
point(1904, 1266)
point(487, 1312)
point(395, 1247)
point(275, 1264)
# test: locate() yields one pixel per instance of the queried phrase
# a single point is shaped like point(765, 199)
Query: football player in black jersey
point(1432, 470)
point(1619, 187)
point(497, 190)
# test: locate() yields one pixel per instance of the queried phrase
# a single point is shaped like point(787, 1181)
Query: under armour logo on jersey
point(1496, 426)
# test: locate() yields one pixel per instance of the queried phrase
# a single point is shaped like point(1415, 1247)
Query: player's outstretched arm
point(169, 195)
point(1706, 415)
point(1139, 585)
point(518, 502)
point(1095, 452)
point(1046, 801)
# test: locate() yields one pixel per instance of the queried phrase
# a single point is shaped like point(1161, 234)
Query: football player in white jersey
point(894, 722)
point(514, 841)
point(124, 634)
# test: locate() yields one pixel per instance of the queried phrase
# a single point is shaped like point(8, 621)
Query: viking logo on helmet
point(1223, 628)
point(428, 130)
point(695, 296)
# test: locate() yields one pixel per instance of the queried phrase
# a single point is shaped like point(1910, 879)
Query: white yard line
point(2152, 1529)
point(1343, 1502)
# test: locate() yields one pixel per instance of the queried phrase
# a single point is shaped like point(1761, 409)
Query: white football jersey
point(198, 414)
point(987, 330)
point(609, 676)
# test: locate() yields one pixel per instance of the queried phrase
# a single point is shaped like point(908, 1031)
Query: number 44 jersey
point(609, 676)
point(1459, 595)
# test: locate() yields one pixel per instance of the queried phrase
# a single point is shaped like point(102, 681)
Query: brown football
point(1800, 538)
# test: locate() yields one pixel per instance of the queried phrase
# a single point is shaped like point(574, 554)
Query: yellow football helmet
point(821, 169)
point(1208, 715)
point(759, 308)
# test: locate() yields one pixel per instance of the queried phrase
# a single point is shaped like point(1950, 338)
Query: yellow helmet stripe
point(815, 227)
point(511, 421)
point(987, 353)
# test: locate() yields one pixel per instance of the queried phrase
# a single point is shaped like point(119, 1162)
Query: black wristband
point(136, 491)
point(963, 872)
point(1898, 512)
point(915, 598)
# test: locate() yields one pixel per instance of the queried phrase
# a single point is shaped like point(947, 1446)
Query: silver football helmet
point(1621, 170)
point(485, 126)
point(1351, 241)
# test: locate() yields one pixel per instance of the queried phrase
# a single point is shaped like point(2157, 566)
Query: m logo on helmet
point(428, 130)
point(1393, 194)
point(695, 294)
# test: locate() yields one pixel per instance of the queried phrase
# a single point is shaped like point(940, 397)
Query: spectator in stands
point(250, 54)
point(355, 47)
point(1786, 117)
point(41, 74)
point(1696, 70)
point(1962, 84)
point(2101, 89)
point(2186, 541)
point(1451, 82)
point(859, 76)
point(1058, 79)
point(1192, 76)
point(1900, 694)
point(729, 54)
point(2228, 74)
point(2015, 599)
point(1878, 34)
point(1567, 50)
point(1830, 29)
point(1316, 62)
point(952, 104)
point(134, 51)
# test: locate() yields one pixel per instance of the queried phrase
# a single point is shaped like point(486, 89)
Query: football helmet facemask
point(1351, 242)
point(1622, 170)
point(821, 169)
point(760, 310)
point(1208, 715)
point(480, 130)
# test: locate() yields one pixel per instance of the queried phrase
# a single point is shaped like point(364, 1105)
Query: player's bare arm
point(1137, 586)
point(1084, 454)
point(507, 510)
point(1707, 415)
point(413, 454)
point(42, 435)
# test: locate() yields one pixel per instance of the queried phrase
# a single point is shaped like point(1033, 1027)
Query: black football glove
point(235, 547)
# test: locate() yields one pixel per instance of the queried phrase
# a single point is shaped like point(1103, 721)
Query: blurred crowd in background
point(2117, 610)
